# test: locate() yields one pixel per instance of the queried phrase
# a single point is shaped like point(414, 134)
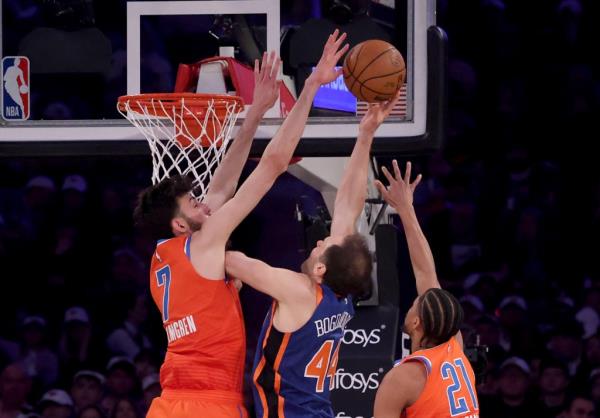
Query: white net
point(187, 136)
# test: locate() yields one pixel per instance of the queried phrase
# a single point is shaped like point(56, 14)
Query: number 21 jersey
point(450, 387)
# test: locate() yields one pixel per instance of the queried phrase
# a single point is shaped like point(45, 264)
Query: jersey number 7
point(323, 365)
point(163, 278)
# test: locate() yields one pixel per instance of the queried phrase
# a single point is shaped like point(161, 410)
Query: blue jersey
point(294, 371)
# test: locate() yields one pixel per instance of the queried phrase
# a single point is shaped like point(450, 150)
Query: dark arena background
point(500, 114)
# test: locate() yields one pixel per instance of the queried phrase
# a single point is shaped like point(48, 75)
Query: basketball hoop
point(188, 133)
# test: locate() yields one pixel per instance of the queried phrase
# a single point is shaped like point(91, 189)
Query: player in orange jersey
point(436, 380)
point(202, 372)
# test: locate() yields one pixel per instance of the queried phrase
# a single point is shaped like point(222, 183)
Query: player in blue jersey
point(299, 344)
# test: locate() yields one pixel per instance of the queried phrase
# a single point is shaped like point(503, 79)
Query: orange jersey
point(450, 387)
point(203, 321)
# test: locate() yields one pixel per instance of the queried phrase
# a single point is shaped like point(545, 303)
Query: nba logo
point(15, 88)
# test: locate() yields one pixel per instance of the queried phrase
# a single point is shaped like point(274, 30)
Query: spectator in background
point(553, 382)
point(565, 344)
point(125, 408)
point(488, 386)
point(472, 307)
point(56, 403)
point(129, 339)
point(121, 382)
point(146, 363)
point(589, 313)
point(513, 392)
point(87, 389)
point(74, 198)
point(128, 273)
point(38, 203)
point(594, 383)
point(114, 217)
point(40, 362)
point(15, 386)
point(91, 412)
point(151, 389)
point(580, 406)
point(485, 287)
point(75, 341)
point(591, 353)
point(512, 313)
point(488, 329)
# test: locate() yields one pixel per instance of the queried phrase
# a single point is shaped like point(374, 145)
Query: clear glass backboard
point(84, 54)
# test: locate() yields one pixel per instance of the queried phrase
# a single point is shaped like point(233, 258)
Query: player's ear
point(416, 322)
point(179, 225)
point(319, 270)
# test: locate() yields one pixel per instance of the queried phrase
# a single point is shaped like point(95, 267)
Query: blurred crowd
point(511, 208)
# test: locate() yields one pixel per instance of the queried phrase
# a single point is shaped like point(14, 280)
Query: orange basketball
point(374, 71)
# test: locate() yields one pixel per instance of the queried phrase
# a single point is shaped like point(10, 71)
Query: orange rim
point(162, 104)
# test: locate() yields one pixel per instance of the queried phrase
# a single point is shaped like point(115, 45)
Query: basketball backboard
point(83, 54)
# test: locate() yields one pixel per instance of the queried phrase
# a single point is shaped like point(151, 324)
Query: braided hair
point(441, 316)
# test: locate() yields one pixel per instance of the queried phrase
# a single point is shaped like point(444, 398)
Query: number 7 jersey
point(203, 322)
point(450, 387)
point(294, 371)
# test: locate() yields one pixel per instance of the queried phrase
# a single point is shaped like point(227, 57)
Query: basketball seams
point(383, 75)
point(373, 60)
point(355, 64)
point(373, 90)
point(395, 73)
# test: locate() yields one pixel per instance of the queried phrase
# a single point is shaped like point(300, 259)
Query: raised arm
point(278, 153)
point(350, 198)
point(266, 91)
point(399, 195)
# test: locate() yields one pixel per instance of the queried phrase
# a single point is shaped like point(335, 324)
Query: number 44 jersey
point(294, 372)
point(450, 387)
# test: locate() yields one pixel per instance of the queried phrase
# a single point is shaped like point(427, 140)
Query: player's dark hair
point(157, 205)
point(348, 267)
point(441, 316)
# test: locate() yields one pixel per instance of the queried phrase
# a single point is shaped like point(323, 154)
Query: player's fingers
point(269, 69)
point(382, 189)
point(256, 68)
point(276, 66)
point(341, 52)
point(334, 35)
point(407, 172)
point(397, 172)
point(389, 105)
point(331, 40)
point(263, 65)
point(341, 39)
point(388, 175)
point(415, 183)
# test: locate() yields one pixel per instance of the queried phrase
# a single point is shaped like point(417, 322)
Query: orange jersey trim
point(261, 366)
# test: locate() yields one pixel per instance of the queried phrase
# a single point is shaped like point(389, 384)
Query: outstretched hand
point(266, 85)
point(376, 114)
point(399, 194)
point(325, 71)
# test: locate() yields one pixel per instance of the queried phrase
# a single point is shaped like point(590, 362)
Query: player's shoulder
point(409, 375)
point(172, 247)
point(304, 287)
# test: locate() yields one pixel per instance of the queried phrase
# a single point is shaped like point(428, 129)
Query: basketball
point(374, 71)
point(23, 89)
